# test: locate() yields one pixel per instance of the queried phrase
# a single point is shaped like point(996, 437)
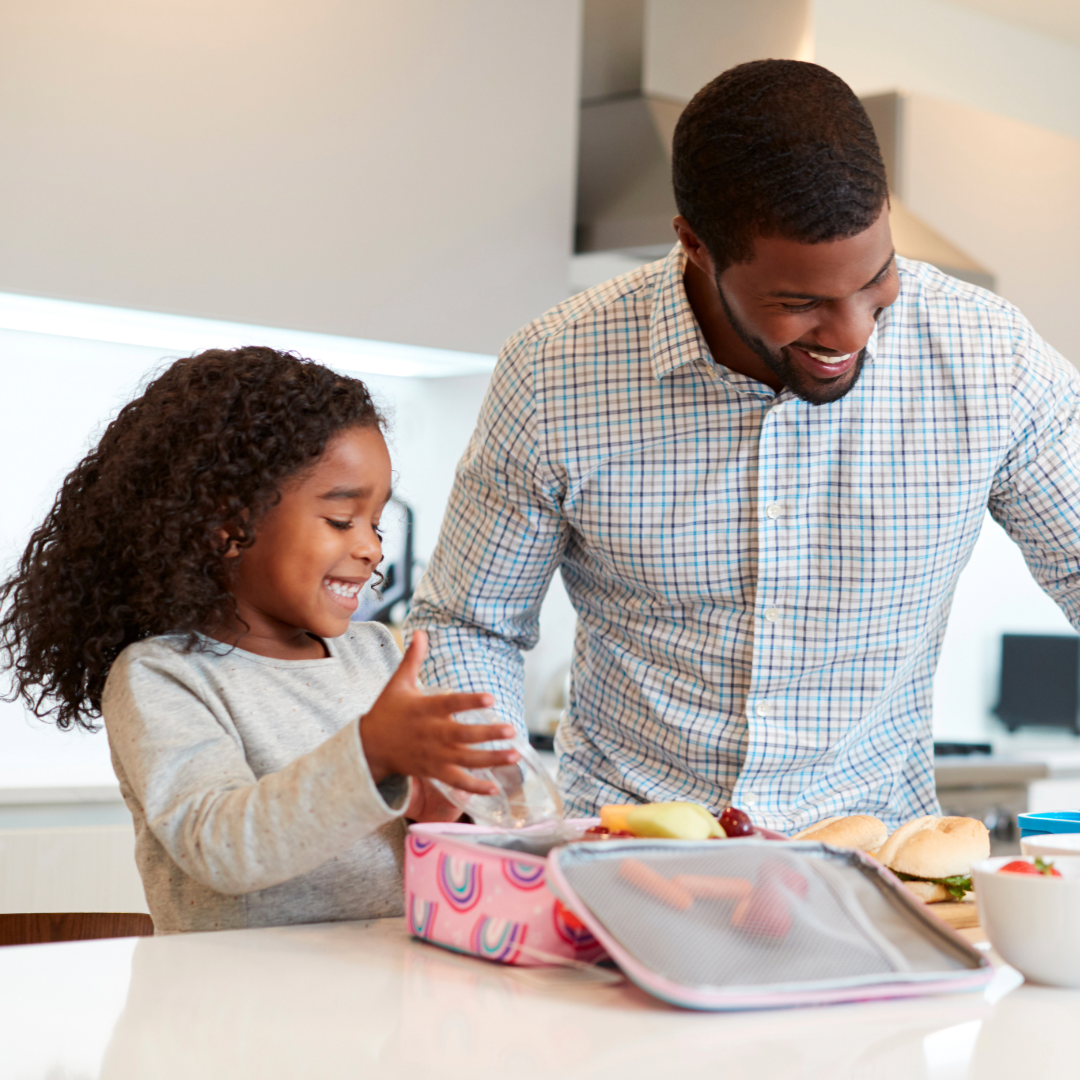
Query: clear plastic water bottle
point(525, 792)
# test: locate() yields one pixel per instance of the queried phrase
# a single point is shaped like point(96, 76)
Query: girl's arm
point(183, 761)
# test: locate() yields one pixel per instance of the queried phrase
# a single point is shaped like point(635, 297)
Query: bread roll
point(862, 831)
point(936, 847)
point(929, 892)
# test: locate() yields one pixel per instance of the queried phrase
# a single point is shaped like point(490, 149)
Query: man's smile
point(823, 365)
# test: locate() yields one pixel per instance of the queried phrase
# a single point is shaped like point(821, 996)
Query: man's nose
point(844, 327)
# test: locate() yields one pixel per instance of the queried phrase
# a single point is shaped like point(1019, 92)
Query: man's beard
point(814, 391)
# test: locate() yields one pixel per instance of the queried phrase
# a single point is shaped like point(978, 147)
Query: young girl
point(193, 584)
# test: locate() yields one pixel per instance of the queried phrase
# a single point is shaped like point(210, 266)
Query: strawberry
point(1039, 866)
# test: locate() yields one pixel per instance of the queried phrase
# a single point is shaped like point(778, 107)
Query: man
point(760, 465)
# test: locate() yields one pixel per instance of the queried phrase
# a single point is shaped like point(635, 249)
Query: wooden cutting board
point(959, 914)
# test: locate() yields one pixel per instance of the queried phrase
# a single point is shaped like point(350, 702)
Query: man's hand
point(413, 734)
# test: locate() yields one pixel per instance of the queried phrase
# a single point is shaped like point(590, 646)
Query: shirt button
point(775, 510)
point(772, 614)
point(763, 708)
point(748, 798)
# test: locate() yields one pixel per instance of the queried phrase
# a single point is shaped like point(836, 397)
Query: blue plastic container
point(1060, 821)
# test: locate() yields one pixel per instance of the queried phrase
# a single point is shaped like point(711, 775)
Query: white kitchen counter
point(363, 1000)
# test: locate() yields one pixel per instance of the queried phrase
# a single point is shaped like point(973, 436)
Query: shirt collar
point(675, 338)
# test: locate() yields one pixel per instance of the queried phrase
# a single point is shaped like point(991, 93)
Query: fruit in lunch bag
point(613, 817)
point(736, 822)
point(767, 911)
point(661, 821)
point(673, 821)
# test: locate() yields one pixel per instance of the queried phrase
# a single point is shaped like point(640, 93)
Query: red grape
point(736, 822)
point(601, 832)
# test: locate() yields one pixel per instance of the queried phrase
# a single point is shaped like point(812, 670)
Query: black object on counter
point(1040, 681)
point(541, 742)
point(961, 749)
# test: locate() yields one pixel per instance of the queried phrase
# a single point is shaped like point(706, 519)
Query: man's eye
point(801, 307)
point(343, 525)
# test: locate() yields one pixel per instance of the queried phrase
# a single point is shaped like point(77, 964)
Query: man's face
point(807, 310)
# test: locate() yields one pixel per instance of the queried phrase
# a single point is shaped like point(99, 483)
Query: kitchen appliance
point(1040, 681)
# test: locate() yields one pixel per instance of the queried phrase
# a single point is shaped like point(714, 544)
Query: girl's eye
point(342, 525)
point(377, 531)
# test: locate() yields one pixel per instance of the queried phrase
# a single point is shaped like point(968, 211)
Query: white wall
point(689, 42)
point(1005, 192)
point(399, 171)
point(995, 595)
point(940, 50)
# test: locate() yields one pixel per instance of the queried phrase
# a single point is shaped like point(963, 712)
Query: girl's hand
point(428, 803)
point(412, 733)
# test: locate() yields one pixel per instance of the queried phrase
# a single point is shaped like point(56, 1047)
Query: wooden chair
point(35, 927)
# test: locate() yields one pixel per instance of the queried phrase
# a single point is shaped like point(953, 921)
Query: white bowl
point(1047, 844)
point(1033, 921)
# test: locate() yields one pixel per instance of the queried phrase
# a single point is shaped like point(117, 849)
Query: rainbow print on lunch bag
point(491, 902)
point(460, 881)
point(421, 916)
point(524, 875)
point(497, 939)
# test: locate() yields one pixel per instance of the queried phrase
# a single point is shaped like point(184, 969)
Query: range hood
point(625, 203)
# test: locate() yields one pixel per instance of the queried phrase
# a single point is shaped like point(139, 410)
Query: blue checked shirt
point(761, 585)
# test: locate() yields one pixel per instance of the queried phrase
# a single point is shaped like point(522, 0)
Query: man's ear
point(695, 250)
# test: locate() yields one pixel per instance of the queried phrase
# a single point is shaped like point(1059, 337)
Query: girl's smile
point(346, 592)
point(313, 551)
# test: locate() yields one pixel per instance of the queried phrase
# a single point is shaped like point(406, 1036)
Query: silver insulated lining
point(736, 914)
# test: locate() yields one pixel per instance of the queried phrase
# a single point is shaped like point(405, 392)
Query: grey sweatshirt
point(252, 801)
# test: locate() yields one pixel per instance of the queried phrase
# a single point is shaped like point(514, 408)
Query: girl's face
point(314, 551)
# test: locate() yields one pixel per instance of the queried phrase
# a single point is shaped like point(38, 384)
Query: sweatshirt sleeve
point(184, 762)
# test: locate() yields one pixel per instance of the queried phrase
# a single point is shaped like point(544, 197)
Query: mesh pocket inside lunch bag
point(753, 924)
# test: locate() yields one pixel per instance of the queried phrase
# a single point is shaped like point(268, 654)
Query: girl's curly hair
point(134, 545)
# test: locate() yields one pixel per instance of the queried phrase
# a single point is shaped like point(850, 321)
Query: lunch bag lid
point(754, 924)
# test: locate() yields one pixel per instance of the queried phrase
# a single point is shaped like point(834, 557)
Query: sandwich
point(933, 855)
point(860, 831)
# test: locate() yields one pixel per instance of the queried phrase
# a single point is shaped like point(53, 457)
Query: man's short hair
point(776, 148)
